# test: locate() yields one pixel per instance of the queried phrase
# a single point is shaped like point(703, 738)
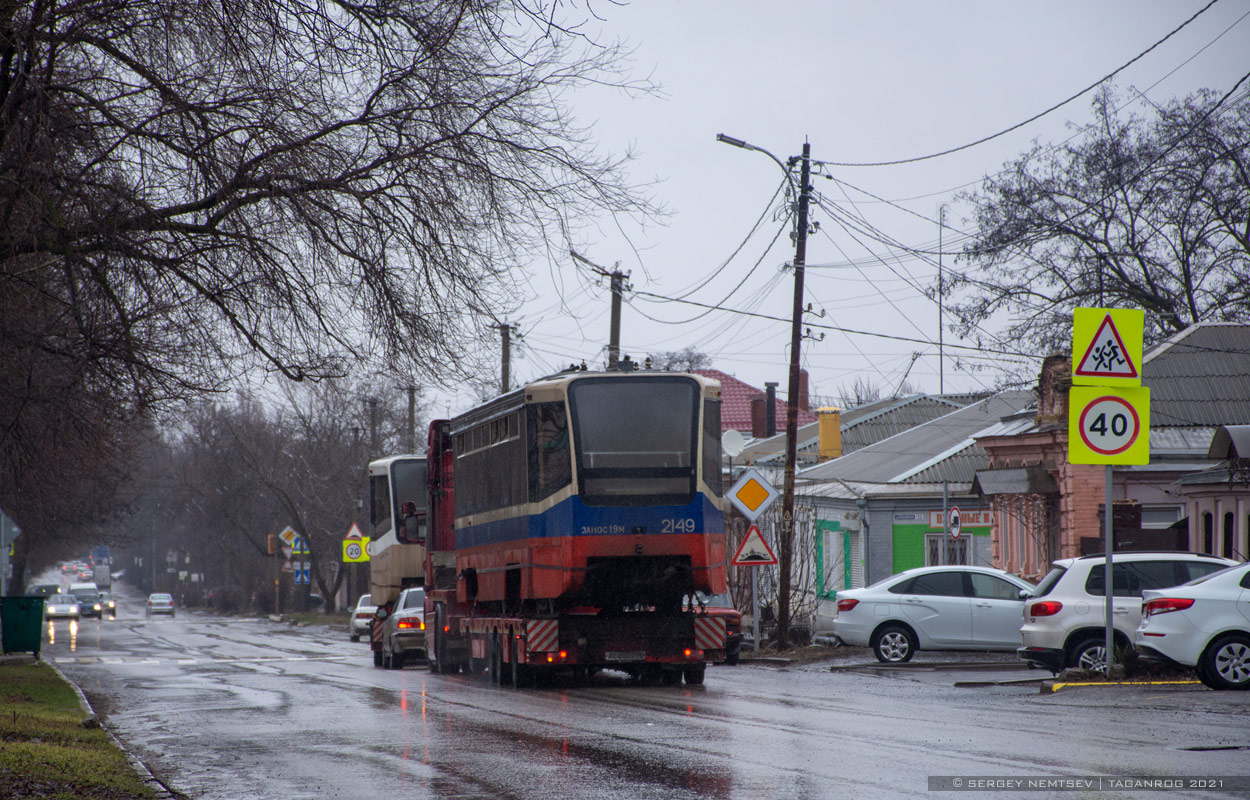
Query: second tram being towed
point(569, 519)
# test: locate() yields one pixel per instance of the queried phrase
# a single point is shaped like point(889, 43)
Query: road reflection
point(72, 626)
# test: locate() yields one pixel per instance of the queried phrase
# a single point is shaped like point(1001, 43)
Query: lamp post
point(785, 546)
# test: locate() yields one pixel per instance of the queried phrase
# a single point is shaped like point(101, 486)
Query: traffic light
point(273, 543)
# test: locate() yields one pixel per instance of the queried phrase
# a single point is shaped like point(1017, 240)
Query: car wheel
point(355, 637)
point(1225, 664)
point(894, 644)
point(1090, 654)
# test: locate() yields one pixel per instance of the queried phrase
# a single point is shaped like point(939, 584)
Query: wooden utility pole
point(785, 547)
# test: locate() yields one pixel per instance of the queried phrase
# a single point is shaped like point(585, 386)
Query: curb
point(162, 789)
point(1055, 686)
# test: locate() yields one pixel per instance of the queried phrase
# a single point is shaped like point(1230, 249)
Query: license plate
point(625, 655)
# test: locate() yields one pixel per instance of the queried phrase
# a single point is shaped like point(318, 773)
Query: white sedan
point(933, 608)
point(1204, 624)
point(362, 617)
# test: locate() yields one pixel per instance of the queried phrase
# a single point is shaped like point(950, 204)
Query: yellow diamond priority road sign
point(752, 495)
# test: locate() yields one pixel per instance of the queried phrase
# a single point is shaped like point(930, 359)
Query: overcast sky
point(862, 82)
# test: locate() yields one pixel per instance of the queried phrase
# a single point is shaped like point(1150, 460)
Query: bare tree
point(194, 191)
point(687, 359)
point(1134, 212)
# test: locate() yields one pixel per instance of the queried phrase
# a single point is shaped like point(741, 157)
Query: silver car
point(403, 632)
point(61, 606)
point(933, 608)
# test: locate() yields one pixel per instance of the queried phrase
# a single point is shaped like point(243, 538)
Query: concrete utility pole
point(505, 380)
point(785, 544)
point(619, 286)
point(412, 418)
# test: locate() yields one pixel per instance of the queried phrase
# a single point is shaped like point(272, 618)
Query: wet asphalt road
point(222, 707)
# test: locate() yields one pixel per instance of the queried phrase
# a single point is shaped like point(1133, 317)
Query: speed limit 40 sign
point(1109, 425)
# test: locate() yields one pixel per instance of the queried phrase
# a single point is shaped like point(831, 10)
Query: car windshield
point(715, 600)
point(61, 600)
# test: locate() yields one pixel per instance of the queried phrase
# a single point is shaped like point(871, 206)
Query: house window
point(955, 552)
point(1229, 534)
point(1208, 533)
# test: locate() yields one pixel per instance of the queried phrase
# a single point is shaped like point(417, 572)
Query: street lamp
point(785, 547)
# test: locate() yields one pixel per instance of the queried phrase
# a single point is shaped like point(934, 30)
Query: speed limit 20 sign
point(1109, 425)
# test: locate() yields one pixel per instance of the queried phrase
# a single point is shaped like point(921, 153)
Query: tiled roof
point(735, 398)
point(1200, 377)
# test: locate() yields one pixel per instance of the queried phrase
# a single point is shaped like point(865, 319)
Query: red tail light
point(1045, 608)
point(409, 623)
point(1162, 605)
point(847, 604)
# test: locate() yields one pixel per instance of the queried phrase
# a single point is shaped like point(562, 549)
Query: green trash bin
point(21, 621)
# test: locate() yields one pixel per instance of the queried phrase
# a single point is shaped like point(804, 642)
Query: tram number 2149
point(679, 525)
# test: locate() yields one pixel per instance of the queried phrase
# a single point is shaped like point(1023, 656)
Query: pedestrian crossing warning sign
point(1107, 346)
point(754, 551)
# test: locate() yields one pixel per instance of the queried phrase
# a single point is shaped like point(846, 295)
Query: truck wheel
point(695, 673)
point(672, 677)
point(733, 654)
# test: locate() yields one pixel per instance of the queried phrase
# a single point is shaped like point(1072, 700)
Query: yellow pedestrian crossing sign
point(752, 495)
point(1107, 346)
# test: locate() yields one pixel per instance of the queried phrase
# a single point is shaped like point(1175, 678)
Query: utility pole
point(412, 418)
point(785, 549)
point(505, 381)
point(785, 544)
point(941, 291)
point(619, 286)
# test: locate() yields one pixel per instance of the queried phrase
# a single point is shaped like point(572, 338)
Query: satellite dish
point(732, 442)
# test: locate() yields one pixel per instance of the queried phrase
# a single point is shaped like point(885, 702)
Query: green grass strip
point(44, 749)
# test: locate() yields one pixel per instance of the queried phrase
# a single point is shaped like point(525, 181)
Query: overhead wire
point(1036, 116)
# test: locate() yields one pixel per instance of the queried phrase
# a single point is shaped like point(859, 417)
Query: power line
point(819, 326)
point(1031, 119)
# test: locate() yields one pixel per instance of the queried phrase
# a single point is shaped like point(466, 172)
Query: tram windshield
point(636, 440)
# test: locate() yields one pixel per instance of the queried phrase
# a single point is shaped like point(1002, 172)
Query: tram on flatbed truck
point(567, 523)
point(398, 500)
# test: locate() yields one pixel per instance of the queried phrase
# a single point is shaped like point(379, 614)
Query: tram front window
point(635, 440)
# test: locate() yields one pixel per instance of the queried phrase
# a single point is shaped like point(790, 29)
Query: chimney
point(804, 404)
point(758, 416)
point(1052, 390)
point(830, 426)
point(770, 408)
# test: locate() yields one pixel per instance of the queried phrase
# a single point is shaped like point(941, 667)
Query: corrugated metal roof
point(895, 459)
point(861, 426)
point(1200, 377)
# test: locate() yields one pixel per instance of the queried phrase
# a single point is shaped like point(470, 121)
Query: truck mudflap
point(709, 633)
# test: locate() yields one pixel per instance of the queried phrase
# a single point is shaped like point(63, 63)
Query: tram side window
point(550, 464)
point(711, 445)
point(380, 504)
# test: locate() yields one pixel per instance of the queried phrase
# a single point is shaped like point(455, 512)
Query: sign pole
point(755, 610)
point(1110, 586)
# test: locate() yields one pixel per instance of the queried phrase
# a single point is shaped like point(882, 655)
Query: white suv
point(1064, 620)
